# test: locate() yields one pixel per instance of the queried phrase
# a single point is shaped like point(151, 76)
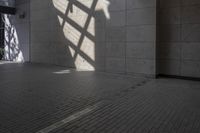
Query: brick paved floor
point(33, 97)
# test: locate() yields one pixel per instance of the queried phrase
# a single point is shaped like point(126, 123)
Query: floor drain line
point(69, 119)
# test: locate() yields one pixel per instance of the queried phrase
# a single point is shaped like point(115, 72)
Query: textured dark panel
point(7, 10)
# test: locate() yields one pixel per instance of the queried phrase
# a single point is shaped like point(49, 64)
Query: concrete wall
point(48, 42)
point(141, 37)
point(179, 37)
point(105, 35)
point(17, 31)
point(119, 36)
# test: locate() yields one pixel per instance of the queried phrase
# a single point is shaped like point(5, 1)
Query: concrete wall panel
point(179, 37)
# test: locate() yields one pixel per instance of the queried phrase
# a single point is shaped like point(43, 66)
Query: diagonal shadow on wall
point(83, 28)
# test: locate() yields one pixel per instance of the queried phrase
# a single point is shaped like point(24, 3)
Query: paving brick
point(128, 104)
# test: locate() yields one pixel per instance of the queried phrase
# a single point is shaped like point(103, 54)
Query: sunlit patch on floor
point(69, 119)
point(62, 72)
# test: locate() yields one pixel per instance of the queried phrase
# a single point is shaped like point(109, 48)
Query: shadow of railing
point(84, 34)
point(12, 49)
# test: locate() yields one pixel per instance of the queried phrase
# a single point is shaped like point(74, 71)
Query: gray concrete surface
point(34, 97)
point(138, 37)
point(109, 36)
point(118, 41)
point(179, 43)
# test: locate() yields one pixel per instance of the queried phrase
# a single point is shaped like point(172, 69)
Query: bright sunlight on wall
point(78, 27)
point(12, 47)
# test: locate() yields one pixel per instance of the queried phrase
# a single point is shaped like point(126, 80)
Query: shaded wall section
point(179, 37)
point(17, 31)
point(48, 42)
point(141, 36)
point(116, 36)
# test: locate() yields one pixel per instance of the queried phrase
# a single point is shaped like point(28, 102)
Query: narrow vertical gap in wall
point(1, 36)
point(157, 67)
